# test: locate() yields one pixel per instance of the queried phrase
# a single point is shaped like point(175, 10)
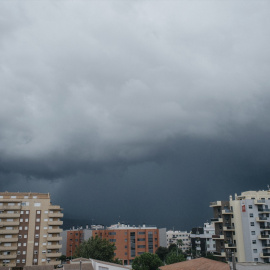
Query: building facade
point(180, 238)
point(72, 238)
point(202, 241)
point(242, 227)
point(29, 229)
point(131, 241)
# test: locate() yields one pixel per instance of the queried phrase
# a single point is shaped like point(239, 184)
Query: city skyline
point(138, 111)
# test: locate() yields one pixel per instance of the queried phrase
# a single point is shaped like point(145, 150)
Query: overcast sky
point(135, 111)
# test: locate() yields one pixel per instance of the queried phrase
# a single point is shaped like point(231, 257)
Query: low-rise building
point(180, 238)
point(202, 241)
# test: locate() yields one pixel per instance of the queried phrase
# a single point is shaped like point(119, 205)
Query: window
point(24, 244)
point(27, 212)
point(112, 233)
point(36, 244)
point(25, 236)
point(255, 250)
point(24, 253)
point(253, 241)
point(141, 233)
point(141, 246)
point(251, 223)
point(251, 215)
point(23, 260)
point(38, 220)
point(37, 227)
point(26, 228)
point(26, 220)
point(253, 232)
point(250, 206)
point(22, 212)
point(43, 251)
point(18, 261)
point(141, 239)
point(112, 240)
point(255, 259)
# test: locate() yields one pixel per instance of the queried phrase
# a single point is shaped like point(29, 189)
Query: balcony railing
point(59, 215)
point(215, 204)
point(265, 255)
point(261, 219)
point(217, 220)
point(9, 231)
point(261, 236)
point(218, 237)
point(258, 202)
point(230, 245)
point(227, 212)
point(9, 240)
point(53, 255)
point(228, 228)
point(219, 254)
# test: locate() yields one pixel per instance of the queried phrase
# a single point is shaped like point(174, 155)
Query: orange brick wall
point(122, 240)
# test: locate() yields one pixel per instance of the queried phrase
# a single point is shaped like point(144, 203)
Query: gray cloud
point(106, 96)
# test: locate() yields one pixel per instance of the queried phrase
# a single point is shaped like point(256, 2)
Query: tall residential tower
point(242, 227)
point(29, 229)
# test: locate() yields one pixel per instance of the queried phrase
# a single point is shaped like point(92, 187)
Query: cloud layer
point(156, 94)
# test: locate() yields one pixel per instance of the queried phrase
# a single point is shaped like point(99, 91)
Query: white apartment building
point(242, 227)
point(29, 230)
point(173, 237)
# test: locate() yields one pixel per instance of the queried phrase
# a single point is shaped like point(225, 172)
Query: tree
point(62, 258)
point(96, 248)
point(162, 252)
point(173, 257)
point(147, 261)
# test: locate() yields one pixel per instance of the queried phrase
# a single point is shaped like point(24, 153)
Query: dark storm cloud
point(135, 105)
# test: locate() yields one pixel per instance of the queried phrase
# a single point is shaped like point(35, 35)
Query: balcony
point(217, 220)
point(8, 257)
point(261, 219)
point(9, 240)
point(10, 223)
point(198, 248)
point(219, 254)
point(53, 255)
point(54, 246)
point(227, 212)
point(267, 211)
point(218, 237)
point(265, 227)
point(230, 245)
point(56, 238)
point(3, 248)
point(215, 204)
point(197, 242)
point(57, 215)
point(55, 223)
point(14, 215)
point(55, 230)
point(265, 255)
point(266, 246)
point(9, 231)
point(262, 237)
point(10, 207)
point(259, 202)
point(11, 264)
point(229, 228)
point(55, 207)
